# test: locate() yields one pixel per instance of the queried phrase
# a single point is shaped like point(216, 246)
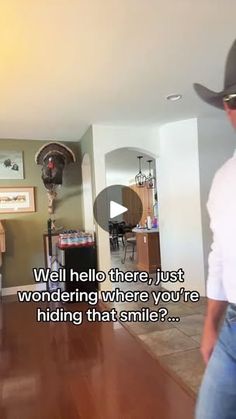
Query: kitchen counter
point(145, 230)
point(148, 249)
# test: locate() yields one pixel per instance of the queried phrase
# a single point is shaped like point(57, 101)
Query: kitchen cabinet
point(148, 250)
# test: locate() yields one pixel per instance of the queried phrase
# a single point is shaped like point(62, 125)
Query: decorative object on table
point(11, 165)
point(154, 222)
point(53, 157)
point(149, 222)
point(151, 180)
point(13, 200)
point(140, 178)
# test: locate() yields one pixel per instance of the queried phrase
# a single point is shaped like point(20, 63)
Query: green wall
point(24, 231)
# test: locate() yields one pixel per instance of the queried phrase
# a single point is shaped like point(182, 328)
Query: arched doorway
point(121, 166)
point(105, 140)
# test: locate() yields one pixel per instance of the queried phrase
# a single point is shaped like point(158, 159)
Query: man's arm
point(215, 311)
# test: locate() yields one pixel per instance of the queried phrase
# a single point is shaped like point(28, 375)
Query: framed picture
point(11, 164)
point(13, 200)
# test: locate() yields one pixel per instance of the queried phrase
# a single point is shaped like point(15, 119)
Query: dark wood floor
point(91, 371)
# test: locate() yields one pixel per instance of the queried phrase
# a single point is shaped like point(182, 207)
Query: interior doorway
point(122, 165)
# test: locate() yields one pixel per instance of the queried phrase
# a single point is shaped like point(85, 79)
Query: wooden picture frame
point(17, 199)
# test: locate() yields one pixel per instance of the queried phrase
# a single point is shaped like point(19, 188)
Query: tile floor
point(176, 345)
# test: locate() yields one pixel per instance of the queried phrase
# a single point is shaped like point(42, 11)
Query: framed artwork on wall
point(11, 164)
point(14, 200)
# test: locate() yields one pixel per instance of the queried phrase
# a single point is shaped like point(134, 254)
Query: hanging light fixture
point(151, 180)
point(140, 178)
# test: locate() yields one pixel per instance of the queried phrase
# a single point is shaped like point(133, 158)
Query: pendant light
point(140, 178)
point(151, 180)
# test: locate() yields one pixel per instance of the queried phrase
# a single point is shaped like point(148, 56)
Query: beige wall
point(24, 232)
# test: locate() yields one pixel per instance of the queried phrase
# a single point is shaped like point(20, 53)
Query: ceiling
point(122, 166)
point(68, 64)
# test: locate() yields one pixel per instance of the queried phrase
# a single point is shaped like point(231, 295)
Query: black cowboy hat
point(214, 98)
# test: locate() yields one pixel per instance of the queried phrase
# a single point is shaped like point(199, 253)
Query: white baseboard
point(13, 290)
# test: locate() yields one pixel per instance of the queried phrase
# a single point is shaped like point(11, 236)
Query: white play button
point(116, 209)
point(111, 204)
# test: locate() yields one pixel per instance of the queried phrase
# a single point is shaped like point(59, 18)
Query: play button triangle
point(116, 209)
point(114, 201)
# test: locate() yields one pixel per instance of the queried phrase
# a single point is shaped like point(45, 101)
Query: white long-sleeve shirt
point(221, 283)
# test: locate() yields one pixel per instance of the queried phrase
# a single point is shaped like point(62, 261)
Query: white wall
point(105, 140)
point(179, 203)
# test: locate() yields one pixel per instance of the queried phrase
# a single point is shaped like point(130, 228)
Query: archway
point(105, 140)
point(121, 166)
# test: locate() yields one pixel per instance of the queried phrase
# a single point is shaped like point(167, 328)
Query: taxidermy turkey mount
point(53, 157)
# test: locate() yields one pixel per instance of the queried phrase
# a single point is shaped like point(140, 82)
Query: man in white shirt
point(217, 395)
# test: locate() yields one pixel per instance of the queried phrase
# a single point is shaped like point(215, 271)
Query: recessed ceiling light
point(174, 97)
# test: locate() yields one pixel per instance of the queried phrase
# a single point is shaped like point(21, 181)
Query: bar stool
point(129, 243)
